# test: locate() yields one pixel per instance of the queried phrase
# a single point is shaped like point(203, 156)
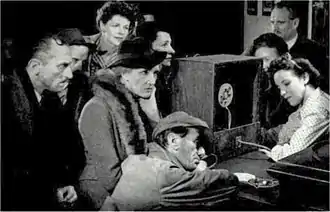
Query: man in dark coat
point(42, 155)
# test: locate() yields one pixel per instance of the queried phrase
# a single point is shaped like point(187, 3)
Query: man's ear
point(173, 142)
point(34, 66)
point(296, 23)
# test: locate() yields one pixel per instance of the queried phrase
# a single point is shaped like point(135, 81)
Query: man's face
point(163, 44)
point(291, 86)
point(187, 152)
point(116, 29)
point(267, 54)
point(79, 54)
point(56, 72)
point(141, 82)
point(282, 25)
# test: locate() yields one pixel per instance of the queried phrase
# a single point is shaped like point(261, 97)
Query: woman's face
point(267, 54)
point(291, 86)
point(163, 44)
point(116, 29)
point(141, 81)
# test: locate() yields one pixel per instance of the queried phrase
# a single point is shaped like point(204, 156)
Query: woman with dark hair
point(298, 82)
point(273, 110)
point(115, 20)
point(159, 40)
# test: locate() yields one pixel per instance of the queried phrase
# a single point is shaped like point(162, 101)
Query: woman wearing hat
point(112, 123)
point(115, 20)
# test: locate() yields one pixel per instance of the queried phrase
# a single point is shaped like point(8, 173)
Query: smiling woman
point(115, 20)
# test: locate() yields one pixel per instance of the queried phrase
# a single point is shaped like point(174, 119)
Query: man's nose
point(283, 92)
point(68, 73)
point(171, 50)
point(151, 78)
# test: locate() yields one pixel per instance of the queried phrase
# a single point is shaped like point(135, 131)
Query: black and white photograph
point(119, 105)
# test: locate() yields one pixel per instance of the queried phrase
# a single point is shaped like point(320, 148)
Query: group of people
point(293, 85)
point(82, 128)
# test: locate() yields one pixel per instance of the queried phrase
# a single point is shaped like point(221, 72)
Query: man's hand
point(201, 166)
point(201, 152)
point(66, 194)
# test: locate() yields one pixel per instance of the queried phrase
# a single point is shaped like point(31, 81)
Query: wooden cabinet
point(199, 80)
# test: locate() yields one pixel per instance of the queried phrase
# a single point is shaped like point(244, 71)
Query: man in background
point(284, 22)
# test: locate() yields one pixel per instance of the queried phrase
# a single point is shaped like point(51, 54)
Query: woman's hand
point(266, 152)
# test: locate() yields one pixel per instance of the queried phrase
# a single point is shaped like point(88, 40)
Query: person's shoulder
point(92, 38)
point(94, 108)
point(316, 105)
point(14, 80)
point(310, 44)
point(324, 100)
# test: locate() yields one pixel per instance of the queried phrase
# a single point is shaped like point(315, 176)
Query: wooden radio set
point(221, 90)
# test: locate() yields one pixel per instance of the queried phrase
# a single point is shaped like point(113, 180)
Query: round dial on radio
point(225, 95)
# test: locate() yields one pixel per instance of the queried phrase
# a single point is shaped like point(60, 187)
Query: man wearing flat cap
point(170, 177)
point(112, 123)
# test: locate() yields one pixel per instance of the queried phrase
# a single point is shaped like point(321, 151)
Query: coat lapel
point(125, 110)
point(24, 100)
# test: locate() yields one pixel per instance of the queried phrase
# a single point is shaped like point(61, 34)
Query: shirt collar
point(291, 42)
point(103, 46)
point(62, 95)
point(37, 95)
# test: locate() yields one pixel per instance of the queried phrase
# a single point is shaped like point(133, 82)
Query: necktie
point(50, 101)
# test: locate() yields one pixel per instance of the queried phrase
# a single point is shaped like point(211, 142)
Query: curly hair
point(269, 40)
point(116, 7)
point(299, 66)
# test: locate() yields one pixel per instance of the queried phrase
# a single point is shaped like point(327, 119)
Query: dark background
point(196, 27)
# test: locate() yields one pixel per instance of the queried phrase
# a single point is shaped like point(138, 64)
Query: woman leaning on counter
point(298, 82)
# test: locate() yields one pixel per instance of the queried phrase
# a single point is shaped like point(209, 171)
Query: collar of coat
point(124, 109)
